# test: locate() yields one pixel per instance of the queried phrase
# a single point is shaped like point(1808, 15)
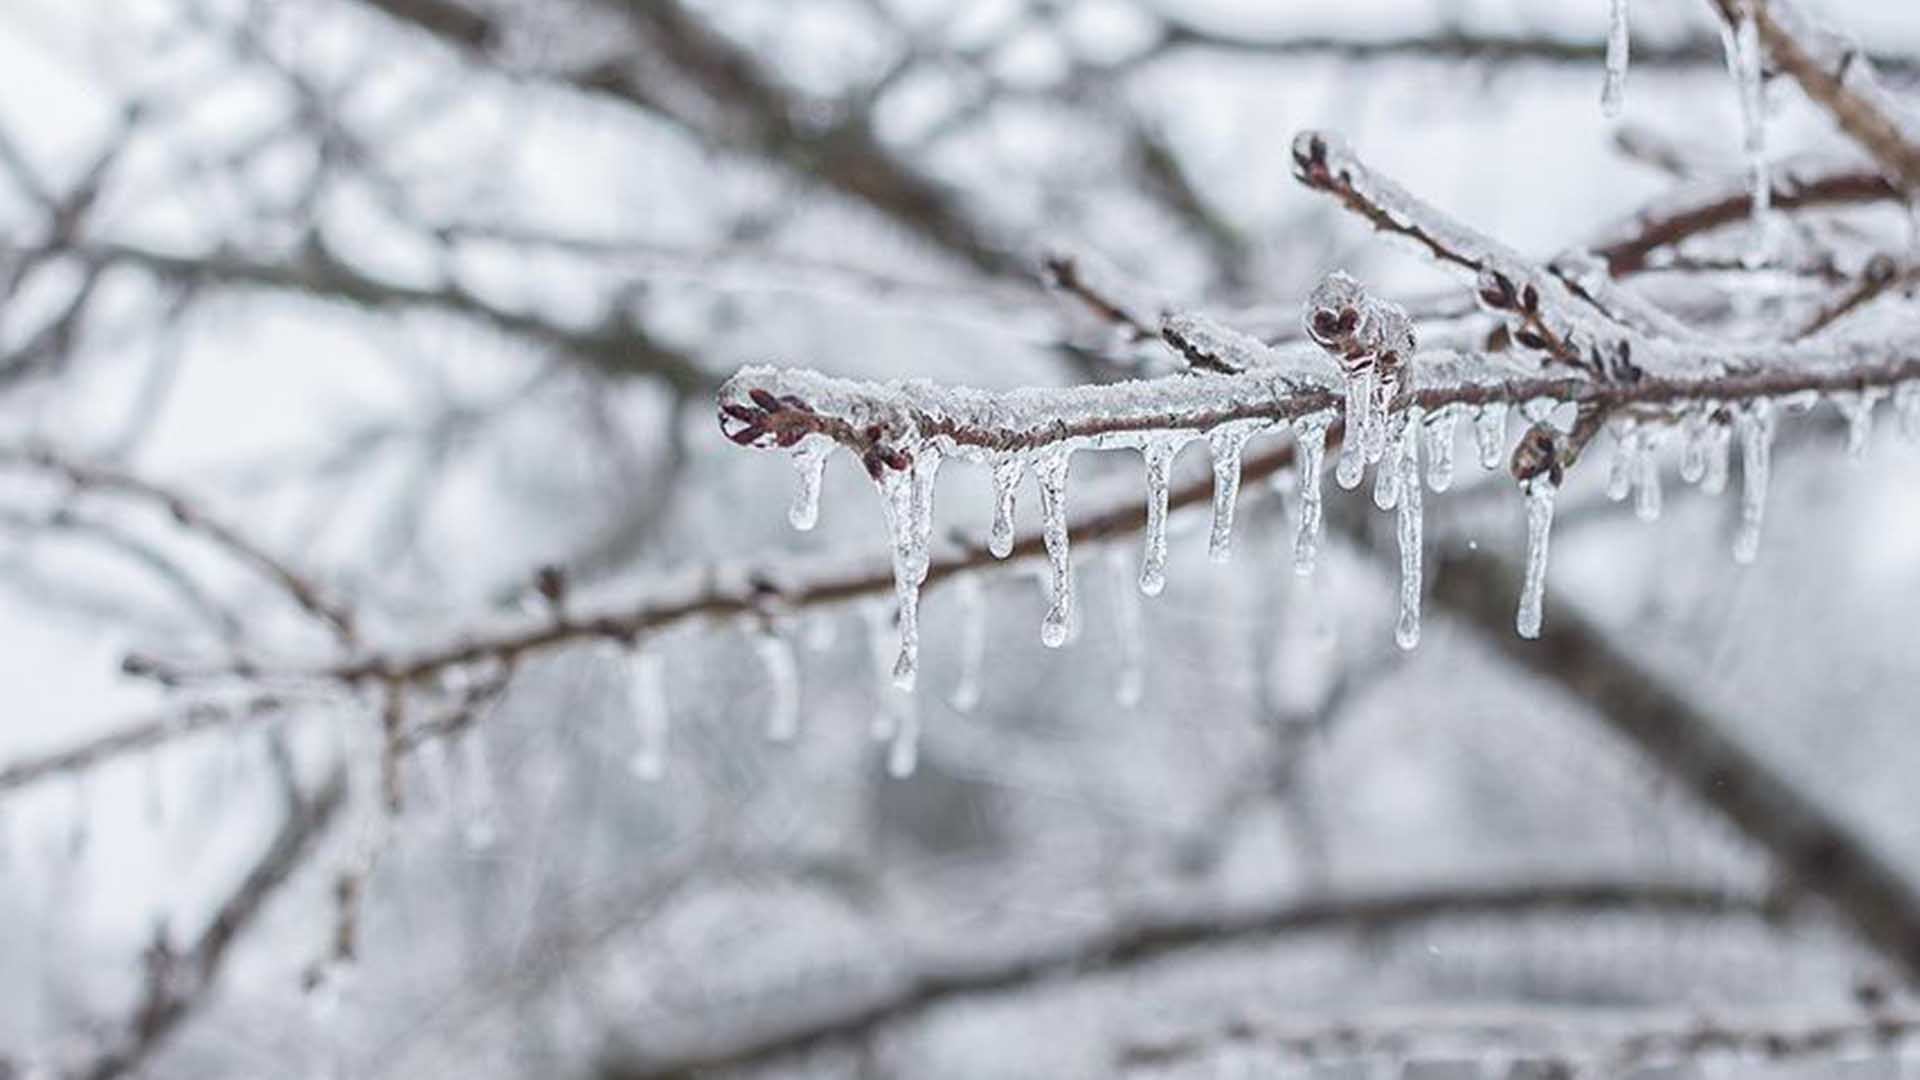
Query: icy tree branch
point(930, 983)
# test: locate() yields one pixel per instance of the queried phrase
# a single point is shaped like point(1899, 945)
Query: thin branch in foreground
point(933, 983)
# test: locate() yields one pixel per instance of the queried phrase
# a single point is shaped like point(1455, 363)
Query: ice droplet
point(1131, 680)
point(647, 697)
point(970, 594)
point(1756, 422)
point(1490, 433)
point(783, 684)
point(1226, 442)
point(1440, 435)
point(1006, 483)
point(1159, 455)
point(1533, 591)
point(1310, 452)
point(1613, 93)
point(1406, 459)
point(1050, 471)
point(809, 463)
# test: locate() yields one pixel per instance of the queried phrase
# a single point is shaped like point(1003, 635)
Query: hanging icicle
point(1130, 682)
point(1646, 475)
point(1440, 437)
point(1226, 443)
point(1756, 422)
point(1050, 471)
point(1742, 41)
point(1007, 469)
point(969, 594)
point(1311, 448)
point(1539, 493)
point(1406, 459)
point(809, 463)
point(1490, 433)
point(1613, 94)
point(897, 491)
point(647, 697)
point(783, 684)
point(1159, 454)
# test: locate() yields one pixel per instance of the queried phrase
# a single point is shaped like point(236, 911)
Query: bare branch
point(194, 719)
point(932, 983)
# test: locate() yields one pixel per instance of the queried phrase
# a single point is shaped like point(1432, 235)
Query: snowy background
point(537, 908)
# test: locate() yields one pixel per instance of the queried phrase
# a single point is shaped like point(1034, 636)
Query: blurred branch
point(101, 479)
point(146, 735)
point(930, 983)
point(1815, 849)
point(1559, 1042)
point(178, 984)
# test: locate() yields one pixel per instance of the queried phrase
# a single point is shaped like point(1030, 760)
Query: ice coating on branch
point(1533, 590)
point(1646, 475)
point(1756, 423)
point(783, 684)
point(1439, 435)
point(1310, 455)
point(647, 697)
point(1050, 471)
point(1856, 406)
point(1130, 682)
point(1007, 470)
point(971, 597)
point(1406, 464)
point(1613, 93)
point(1226, 443)
point(1159, 454)
point(897, 490)
point(1742, 41)
point(1490, 433)
point(809, 463)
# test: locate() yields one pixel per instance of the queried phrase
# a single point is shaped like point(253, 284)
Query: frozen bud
point(1536, 454)
point(1389, 332)
point(1334, 311)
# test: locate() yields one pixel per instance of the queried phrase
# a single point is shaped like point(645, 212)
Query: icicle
point(1359, 406)
point(1407, 461)
point(1159, 455)
point(647, 697)
point(1646, 476)
point(820, 630)
point(1490, 432)
point(1006, 482)
point(1050, 471)
point(1310, 453)
point(1693, 447)
point(1131, 679)
point(1719, 445)
point(1743, 61)
point(903, 754)
point(1857, 408)
point(1386, 482)
point(783, 684)
point(809, 463)
point(1906, 405)
point(1226, 443)
point(479, 805)
point(898, 496)
point(1533, 592)
point(890, 704)
point(1626, 443)
point(971, 596)
point(1613, 93)
point(926, 470)
point(1439, 435)
point(1756, 451)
